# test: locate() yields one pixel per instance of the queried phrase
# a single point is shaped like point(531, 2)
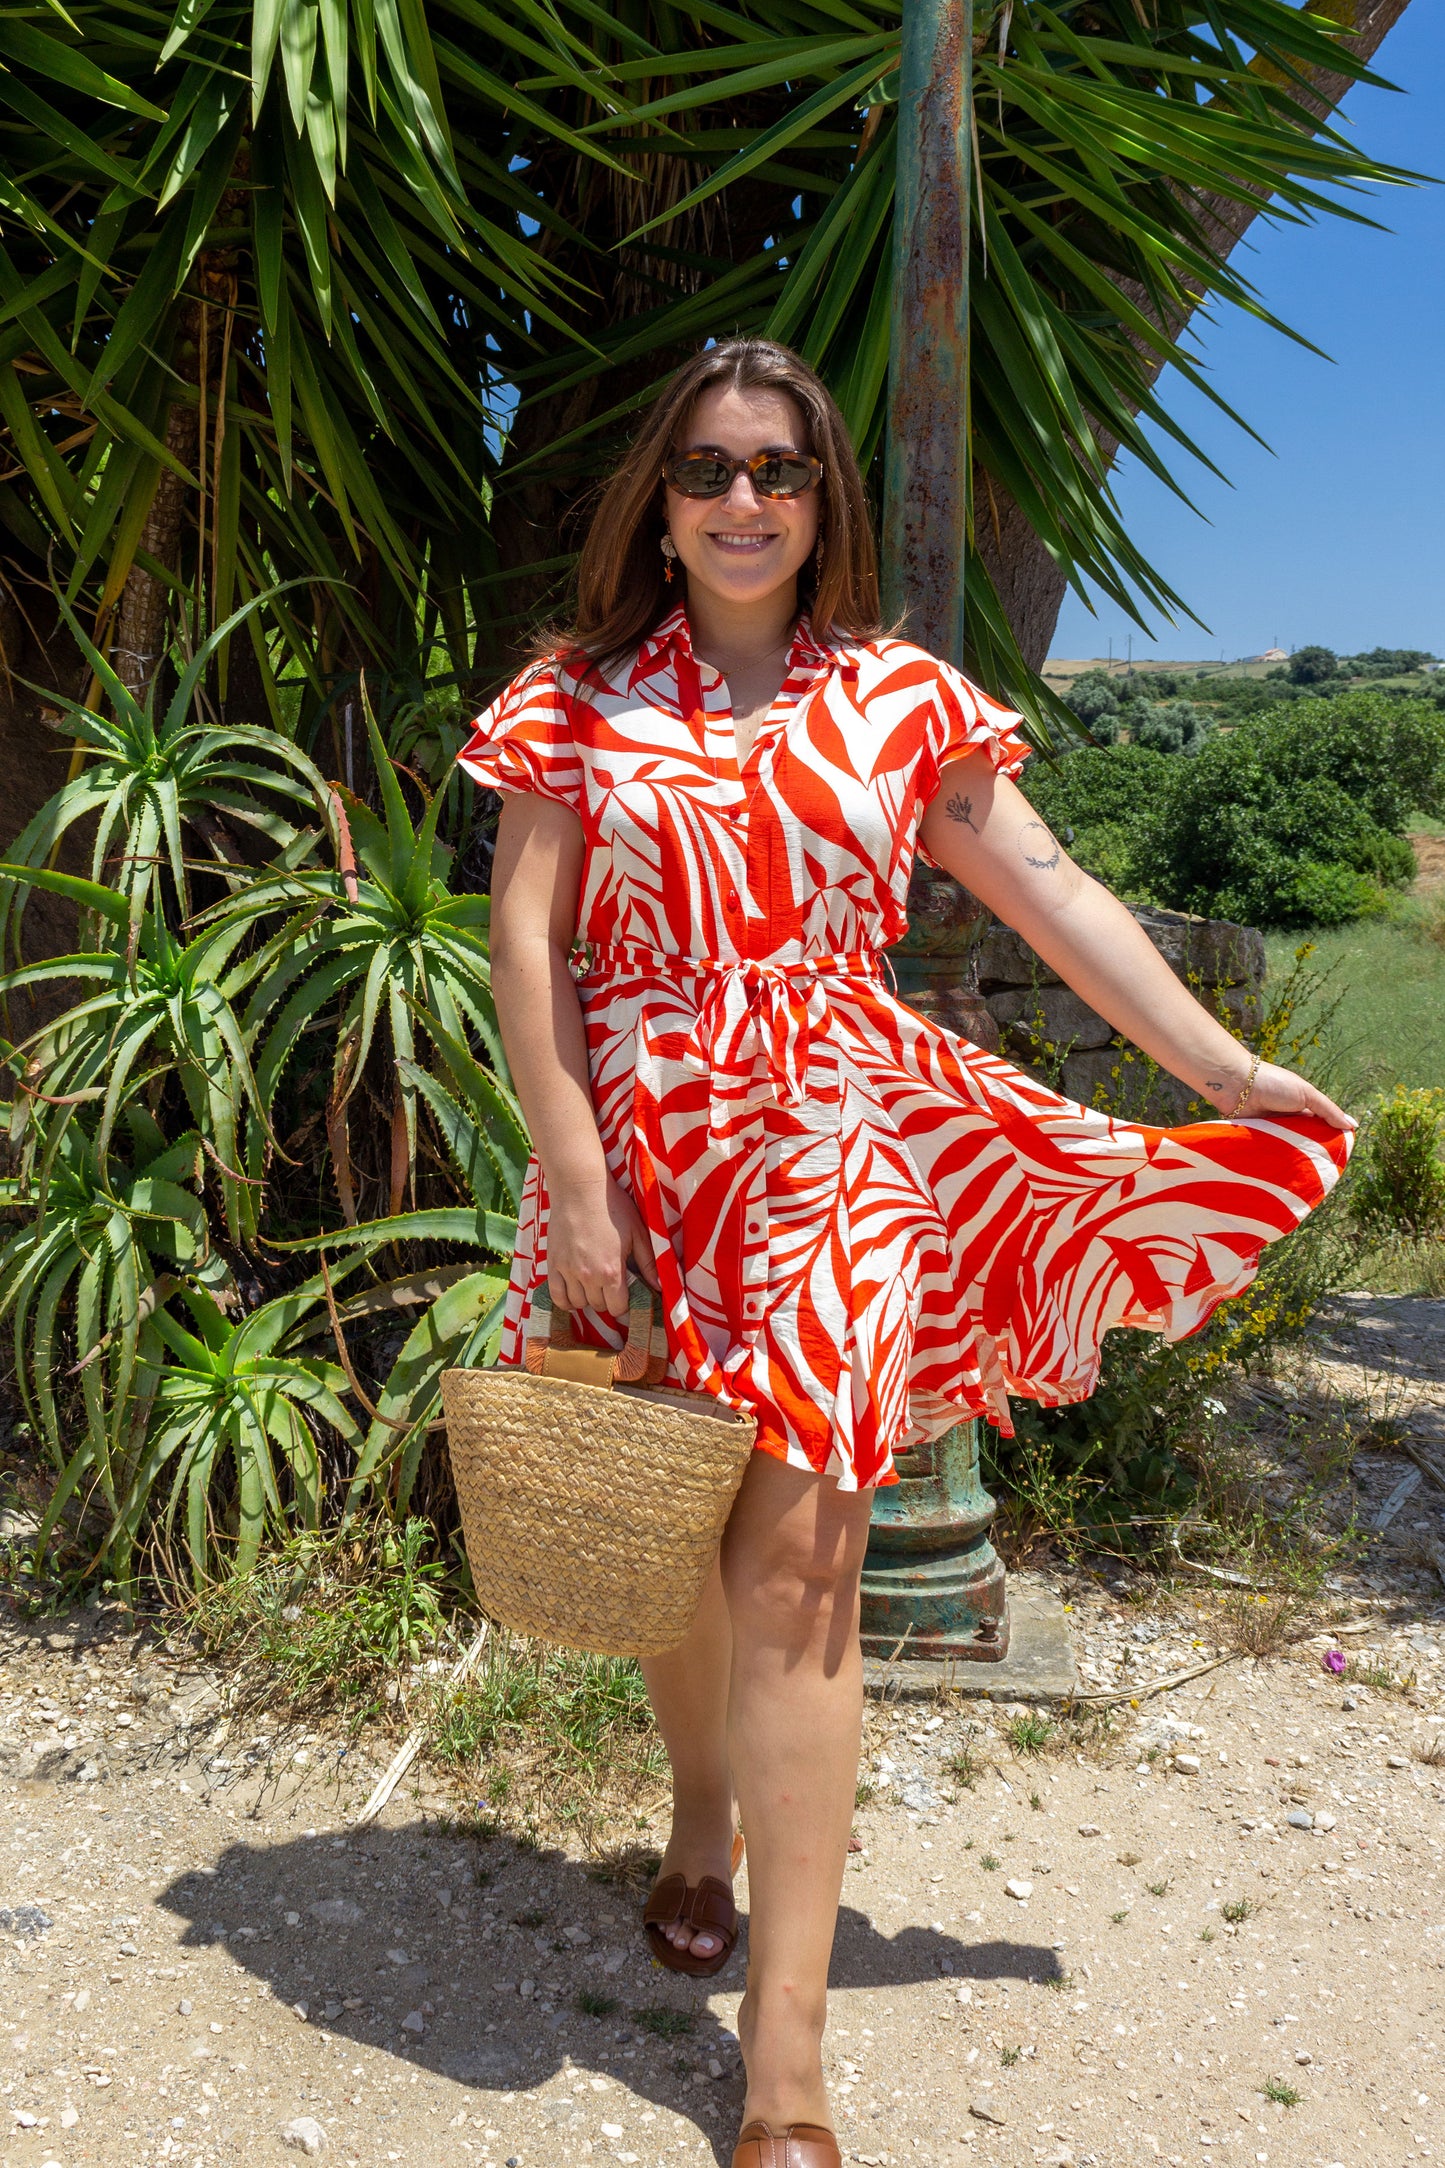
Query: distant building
point(1272, 654)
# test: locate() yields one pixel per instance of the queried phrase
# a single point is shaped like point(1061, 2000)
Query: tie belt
point(751, 1016)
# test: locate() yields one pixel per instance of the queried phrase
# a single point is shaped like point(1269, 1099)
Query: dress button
point(731, 899)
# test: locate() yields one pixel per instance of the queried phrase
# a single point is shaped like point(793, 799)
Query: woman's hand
point(1276, 1091)
point(592, 1231)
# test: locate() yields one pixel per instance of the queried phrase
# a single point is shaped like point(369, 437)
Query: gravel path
point(1086, 1956)
point(1212, 1925)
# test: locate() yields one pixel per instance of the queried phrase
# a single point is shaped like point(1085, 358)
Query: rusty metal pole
point(925, 512)
point(931, 1578)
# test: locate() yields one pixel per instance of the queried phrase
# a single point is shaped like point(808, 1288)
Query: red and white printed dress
point(866, 1228)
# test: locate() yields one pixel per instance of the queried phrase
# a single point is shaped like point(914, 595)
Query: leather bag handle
point(642, 1361)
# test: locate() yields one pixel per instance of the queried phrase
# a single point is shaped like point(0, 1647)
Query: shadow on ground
point(363, 1934)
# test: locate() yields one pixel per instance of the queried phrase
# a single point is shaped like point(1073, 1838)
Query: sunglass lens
point(782, 477)
point(699, 475)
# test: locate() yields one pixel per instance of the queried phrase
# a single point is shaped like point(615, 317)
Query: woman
point(863, 1229)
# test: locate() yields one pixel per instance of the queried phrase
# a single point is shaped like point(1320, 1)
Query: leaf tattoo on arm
point(961, 809)
point(1033, 836)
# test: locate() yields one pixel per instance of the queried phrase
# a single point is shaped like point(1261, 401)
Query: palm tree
point(363, 295)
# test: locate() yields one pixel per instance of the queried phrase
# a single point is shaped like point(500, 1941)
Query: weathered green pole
point(925, 513)
point(931, 1578)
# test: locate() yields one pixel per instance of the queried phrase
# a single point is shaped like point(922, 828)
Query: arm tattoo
point(961, 809)
point(1030, 834)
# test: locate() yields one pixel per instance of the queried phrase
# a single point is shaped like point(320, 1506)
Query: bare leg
point(791, 1558)
point(688, 1688)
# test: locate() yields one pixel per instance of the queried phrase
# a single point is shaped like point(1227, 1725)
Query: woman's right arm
point(593, 1225)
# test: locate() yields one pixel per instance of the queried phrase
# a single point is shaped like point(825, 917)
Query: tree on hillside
point(1312, 665)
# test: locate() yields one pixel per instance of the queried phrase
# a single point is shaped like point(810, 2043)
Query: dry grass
point(1259, 1626)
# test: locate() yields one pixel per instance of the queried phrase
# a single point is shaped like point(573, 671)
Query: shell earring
point(669, 551)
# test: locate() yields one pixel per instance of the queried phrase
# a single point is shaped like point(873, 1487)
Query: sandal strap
point(666, 1902)
point(710, 1907)
point(805, 2145)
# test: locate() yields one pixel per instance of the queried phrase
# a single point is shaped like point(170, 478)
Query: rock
point(27, 1921)
point(1324, 1819)
point(1397, 1761)
point(1188, 1765)
point(1020, 1890)
point(612, 2130)
point(126, 1949)
point(184, 2006)
point(413, 2022)
point(88, 1772)
point(527, 1990)
point(1303, 2056)
point(337, 1912)
point(69, 2117)
point(1214, 950)
point(714, 2068)
point(1005, 959)
point(964, 1994)
point(1054, 1014)
point(395, 1957)
point(304, 2135)
point(1298, 1818)
point(82, 2001)
point(986, 2112)
point(1089, 1829)
point(922, 1798)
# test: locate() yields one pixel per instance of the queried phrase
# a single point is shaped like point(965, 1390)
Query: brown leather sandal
point(706, 1907)
point(804, 2145)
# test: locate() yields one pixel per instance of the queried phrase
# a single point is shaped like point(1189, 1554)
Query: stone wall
point(1042, 1022)
point(979, 978)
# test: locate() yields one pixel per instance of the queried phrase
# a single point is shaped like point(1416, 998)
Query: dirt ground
point(1209, 1921)
point(1430, 858)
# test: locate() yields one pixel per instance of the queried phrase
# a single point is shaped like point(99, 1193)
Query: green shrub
point(1294, 818)
point(1399, 1185)
point(1097, 799)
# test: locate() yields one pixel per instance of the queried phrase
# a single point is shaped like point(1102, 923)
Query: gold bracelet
point(1234, 1111)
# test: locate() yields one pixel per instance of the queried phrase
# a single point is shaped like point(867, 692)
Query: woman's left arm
point(982, 830)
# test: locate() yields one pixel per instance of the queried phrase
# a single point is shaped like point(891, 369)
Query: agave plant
point(488, 1150)
point(153, 999)
point(381, 936)
point(147, 780)
point(226, 1398)
point(108, 1242)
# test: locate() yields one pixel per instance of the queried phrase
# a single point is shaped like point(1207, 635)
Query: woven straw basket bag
point(592, 1502)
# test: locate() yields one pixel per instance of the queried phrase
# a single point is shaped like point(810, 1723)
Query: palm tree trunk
point(140, 618)
point(1030, 585)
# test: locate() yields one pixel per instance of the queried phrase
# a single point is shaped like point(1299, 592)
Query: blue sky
point(1336, 534)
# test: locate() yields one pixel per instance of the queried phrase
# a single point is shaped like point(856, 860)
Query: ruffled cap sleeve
point(524, 741)
point(966, 720)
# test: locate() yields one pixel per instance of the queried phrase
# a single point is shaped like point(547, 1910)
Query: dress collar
point(670, 642)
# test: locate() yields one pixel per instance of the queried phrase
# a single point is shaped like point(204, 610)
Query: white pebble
point(1187, 1764)
point(304, 2134)
point(1021, 1890)
point(413, 2022)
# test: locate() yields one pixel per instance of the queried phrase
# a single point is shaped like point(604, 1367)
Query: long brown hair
point(621, 593)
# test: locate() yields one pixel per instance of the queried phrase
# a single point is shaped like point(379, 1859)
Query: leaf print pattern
point(866, 1228)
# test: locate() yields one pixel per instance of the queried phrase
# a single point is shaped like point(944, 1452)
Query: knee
point(791, 1588)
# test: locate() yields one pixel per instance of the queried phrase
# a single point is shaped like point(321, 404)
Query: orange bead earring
point(669, 552)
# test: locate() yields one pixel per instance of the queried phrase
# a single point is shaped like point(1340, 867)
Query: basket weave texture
point(592, 1515)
